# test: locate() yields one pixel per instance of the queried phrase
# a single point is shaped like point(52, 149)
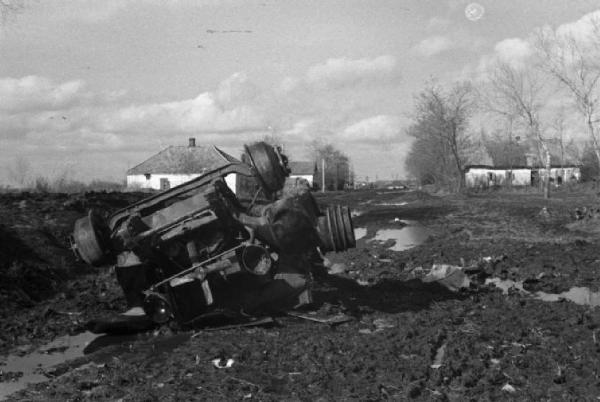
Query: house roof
point(302, 168)
point(184, 160)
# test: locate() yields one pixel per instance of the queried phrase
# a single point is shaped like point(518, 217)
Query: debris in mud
point(331, 319)
point(582, 213)
point(363, 282)
point(544, 213)
point(439, 357)
point(241, 322)
point(222, 363)
point(449, 276)
point(378, 325)
point(337, 268)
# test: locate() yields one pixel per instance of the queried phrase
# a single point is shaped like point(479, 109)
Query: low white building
point(483, 176)
point(304, 170)
point(176, 165)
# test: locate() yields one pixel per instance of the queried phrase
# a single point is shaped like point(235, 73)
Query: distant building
point(483, 176)
point(304, 170)
point(176, 165)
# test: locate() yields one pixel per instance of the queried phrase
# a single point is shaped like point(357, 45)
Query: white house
point(483, 176)
point(176, 165)
point(303, 170)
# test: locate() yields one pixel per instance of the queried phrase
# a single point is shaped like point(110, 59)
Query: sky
point(91, 88)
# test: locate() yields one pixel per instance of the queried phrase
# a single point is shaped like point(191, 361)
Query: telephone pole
point(322, 175)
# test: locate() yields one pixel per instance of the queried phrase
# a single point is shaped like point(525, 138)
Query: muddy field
point(516, 318)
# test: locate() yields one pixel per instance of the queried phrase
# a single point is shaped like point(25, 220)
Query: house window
point(164, 184)
point(147, 176)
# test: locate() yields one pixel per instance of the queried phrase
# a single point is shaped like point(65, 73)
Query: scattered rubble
point(449, 276)
point(222, 363)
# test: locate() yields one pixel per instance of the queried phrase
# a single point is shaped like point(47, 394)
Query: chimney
point(531, 159)
point(192, 142)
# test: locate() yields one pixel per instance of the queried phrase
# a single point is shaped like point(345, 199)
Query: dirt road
point(409, 338)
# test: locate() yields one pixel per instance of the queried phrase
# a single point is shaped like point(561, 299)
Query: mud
point(407, 339)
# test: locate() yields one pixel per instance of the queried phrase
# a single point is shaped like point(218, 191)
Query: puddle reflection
point(409, 236)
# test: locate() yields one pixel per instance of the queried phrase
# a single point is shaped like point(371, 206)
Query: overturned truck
point(198, 249)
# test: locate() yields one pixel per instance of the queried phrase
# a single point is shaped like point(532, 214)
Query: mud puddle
point(578, 295)
point(33, 365)
point(359, 233)
point(411, 235)
point(19, 371)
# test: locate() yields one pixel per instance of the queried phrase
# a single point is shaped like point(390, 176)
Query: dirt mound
point(35, 255)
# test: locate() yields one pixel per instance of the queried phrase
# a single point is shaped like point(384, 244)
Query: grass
point(62, 185)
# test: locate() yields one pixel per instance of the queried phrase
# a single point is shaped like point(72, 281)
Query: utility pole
point(323, 175)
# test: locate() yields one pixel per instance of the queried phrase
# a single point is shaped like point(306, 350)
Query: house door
point(164, 184)
point(535, 178)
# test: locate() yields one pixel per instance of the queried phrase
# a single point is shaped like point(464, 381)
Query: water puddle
point(359, 233)
point(406, 237)
point(578, 295)
point(51, 357)
point(32, 365)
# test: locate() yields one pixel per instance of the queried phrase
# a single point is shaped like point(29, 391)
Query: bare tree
point(333, 164)
point(566, 150)
point(573, 61)
point(517, 94)
point(440, 131)
point(505, 147)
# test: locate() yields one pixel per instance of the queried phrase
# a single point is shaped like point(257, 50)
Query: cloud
point(36, 106)
point(57, 121)
point(521, 52)
point(342, 72)
point(202, 114)
point(236, 90)
point(381, 129)
point(583, 30)
point(39, 93)
point(437, 23)
point(513, 51)
point(93, 11)
point(447, 37)
point(434, 45)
